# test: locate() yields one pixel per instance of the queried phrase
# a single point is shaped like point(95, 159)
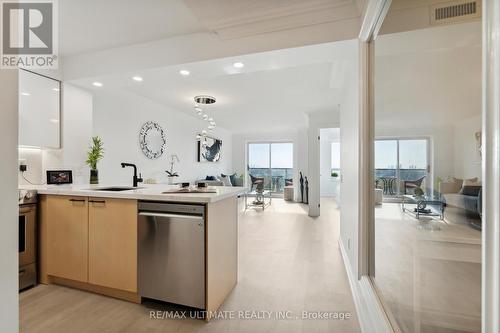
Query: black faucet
point(135, 179)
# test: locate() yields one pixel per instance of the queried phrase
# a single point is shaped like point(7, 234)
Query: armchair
point(412, 184)
point(258, 182)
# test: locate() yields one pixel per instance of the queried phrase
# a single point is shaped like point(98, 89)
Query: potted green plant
point(94, 155)
point(334, 174)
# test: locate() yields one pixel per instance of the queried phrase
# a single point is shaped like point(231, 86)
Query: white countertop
point(143, 192)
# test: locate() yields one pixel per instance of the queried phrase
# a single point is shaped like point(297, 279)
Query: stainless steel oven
point(27, 239)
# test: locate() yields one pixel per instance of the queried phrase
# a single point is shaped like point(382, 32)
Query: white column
point(491, 166)
point(9, 226)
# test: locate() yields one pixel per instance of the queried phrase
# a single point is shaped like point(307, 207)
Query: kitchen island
point(89, 239)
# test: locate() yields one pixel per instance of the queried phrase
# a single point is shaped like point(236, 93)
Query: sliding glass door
point(402, 165)
point(270, 165)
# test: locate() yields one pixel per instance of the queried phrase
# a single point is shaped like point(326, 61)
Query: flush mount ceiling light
point(204, 99)
point(184, 72)
point(238, 65)
point(137, 78)
point(25, 94)
point(97, 84)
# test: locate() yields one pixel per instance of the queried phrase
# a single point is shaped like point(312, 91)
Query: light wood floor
point(430, 281)
point(287, 262)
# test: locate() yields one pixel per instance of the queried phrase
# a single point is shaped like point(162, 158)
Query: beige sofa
point(460, 208)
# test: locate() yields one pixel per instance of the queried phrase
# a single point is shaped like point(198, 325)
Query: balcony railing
point(274, 178)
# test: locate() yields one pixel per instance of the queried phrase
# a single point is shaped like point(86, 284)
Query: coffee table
point(425, 205)
point(421, 203)
point(262, 199)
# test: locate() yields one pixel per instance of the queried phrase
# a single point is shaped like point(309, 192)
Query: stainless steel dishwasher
point(171, 254)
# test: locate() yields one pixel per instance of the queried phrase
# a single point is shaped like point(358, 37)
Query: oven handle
point(169, 215)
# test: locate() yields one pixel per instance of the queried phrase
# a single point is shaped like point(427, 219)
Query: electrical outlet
point(22, 165)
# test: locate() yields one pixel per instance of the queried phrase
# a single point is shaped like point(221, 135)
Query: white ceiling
point(275, 90)
point(92, 25)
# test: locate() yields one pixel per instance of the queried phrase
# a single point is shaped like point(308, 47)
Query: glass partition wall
point(427, 174)
point(270, 163)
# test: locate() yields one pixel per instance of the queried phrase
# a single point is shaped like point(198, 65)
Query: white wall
point(467, 156)
point(297, 136)
point(428, 83)
point(118, 117)
point(349, 169)
point(76, 130)
point(9, 229)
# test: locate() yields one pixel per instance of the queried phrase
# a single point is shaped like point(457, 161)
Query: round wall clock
point(152, 140)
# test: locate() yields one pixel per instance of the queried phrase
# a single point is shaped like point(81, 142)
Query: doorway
point(329, 155)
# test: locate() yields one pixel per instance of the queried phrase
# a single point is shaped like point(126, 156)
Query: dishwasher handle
point(168, 215)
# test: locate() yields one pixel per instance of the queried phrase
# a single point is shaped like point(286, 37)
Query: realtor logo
point(29, 38)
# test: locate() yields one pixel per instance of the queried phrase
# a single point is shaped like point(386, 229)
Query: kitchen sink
point(115, 189)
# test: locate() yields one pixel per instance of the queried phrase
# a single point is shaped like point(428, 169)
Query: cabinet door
point(67, 237)
point(39, 110)
point(113, 243)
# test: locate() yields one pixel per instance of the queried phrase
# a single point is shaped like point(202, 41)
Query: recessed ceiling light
point(55, 89)
point(97, 84)
point(137, 78)
point(25, 94)
point(238, 65)
point(55, 121)
point(198, 109)
point(184, 72)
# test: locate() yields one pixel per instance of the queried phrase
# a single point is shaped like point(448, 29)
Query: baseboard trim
point(372, 317)
point(111, 292)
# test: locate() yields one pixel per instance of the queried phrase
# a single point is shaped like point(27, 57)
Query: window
point(398, 160)
point(273, 162)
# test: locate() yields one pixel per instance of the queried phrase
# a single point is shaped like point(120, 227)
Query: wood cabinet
point(113, 243)
point(67, 237)
point(90, 240)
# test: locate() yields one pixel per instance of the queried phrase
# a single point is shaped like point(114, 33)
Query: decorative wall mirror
point(152, 140)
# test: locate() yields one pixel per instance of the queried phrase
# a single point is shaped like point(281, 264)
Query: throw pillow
point(465, 182)
point(471, 182)
point(471, 190)
point(231, 177)
point(226, 180)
